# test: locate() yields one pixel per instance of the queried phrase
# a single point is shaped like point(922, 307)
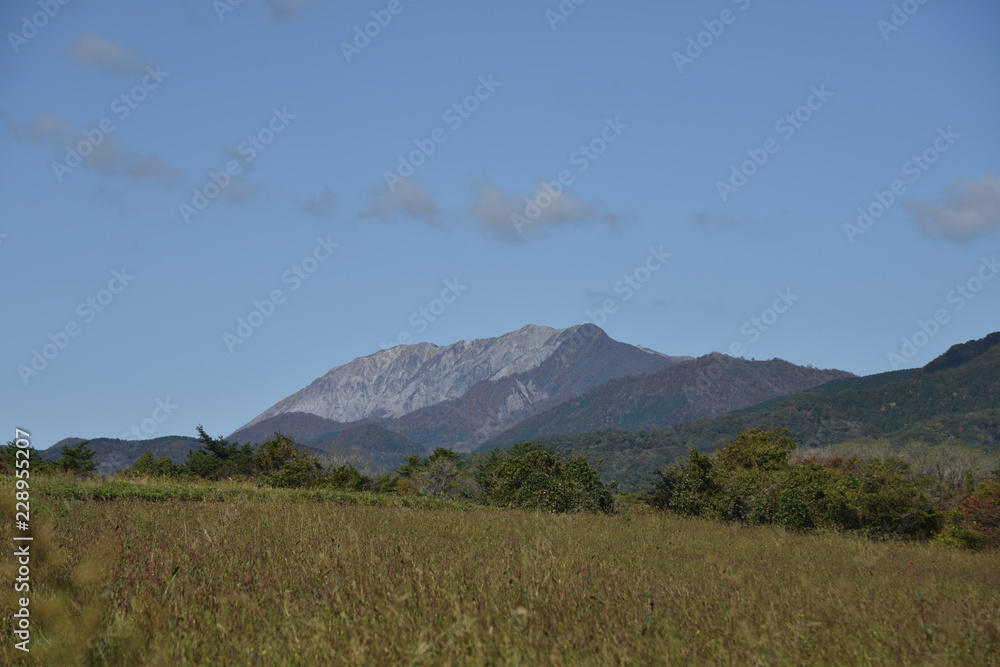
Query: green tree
point(757, 449)
point(348, 478)
point(445, 476)
point(147, 465)
point(275, 453)
point(696, 487)
point(296, 472)
point(282, 463)
point(217, 458)
point(9, 458)
point(77, 459)
point(443, 472)
point(533, 476)
point(414, 464)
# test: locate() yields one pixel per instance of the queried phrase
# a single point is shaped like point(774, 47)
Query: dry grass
point(283, 580)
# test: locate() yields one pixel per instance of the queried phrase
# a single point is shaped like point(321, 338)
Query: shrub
point(536, 477)
point(347, 478)
point(980, 513)
point(757, 449)
point(695, 488)
point(793, 510)
point(147, 465)
point(298, 472)
point(890, 504)
point(752, 480)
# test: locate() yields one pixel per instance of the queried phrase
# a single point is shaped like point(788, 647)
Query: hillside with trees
point(953, 399)
point(701, 388)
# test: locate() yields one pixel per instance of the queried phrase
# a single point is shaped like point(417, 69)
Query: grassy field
point(273, 577)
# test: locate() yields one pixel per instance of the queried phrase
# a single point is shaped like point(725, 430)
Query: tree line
point(526, 475)
point(752, 479)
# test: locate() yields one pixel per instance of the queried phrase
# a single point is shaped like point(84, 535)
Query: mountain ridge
point(671, 395)
point(459, 395)
point(954, 397)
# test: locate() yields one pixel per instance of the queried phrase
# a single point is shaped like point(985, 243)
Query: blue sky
point(713, 159)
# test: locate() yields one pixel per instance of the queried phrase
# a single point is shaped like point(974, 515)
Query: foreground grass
point(268, 577)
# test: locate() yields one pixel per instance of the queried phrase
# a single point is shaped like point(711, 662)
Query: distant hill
point(113, 454)
point(709, 386)
point(956, 396)
point(367, 446)
point(303, 426)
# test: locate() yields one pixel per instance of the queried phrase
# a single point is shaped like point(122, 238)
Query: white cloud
point(407, 198)
point(111, 57)
point(969, 209)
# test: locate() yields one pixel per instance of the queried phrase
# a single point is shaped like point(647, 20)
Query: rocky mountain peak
point(399, 380)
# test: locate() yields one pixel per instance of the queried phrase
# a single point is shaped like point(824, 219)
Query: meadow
point(152, 573)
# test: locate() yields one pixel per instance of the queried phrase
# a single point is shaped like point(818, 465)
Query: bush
point(691, 488)
point(148, 466)
point(980, 514)
point(793, 510)
point(536, 477)
point(752, 480)
point(347, 478)
point(295, 473)
point(889, 504)
point(757, 449)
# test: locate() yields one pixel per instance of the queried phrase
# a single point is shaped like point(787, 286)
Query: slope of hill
point(303, 426)
point(367, 446)
point(709, 386)
point(457, 396)
point(113, 454)
point(956, 396)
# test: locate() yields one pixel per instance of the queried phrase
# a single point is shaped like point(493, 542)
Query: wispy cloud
point(111, 156)
point(407, 198)
point(233, 153)
point(322, 205)
point(108, 56)
point(149, 168)
point(240, 190)
point(969, 209)
point(283, 10)
point(511, 216)
point(704, 218)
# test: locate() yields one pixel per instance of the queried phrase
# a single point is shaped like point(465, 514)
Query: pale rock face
point(523, 396)
point(397, 381)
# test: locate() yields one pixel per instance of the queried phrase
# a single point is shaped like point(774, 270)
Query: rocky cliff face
point(510, 376)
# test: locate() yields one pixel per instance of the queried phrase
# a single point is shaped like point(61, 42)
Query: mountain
point(954, 397)
point(459, 395)
point(709, 386)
